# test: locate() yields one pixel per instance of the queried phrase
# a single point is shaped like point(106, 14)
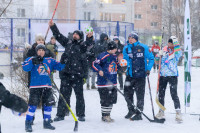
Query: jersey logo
point(140, 55)
point(42, 71)
point(112, 68)
point(49, 61)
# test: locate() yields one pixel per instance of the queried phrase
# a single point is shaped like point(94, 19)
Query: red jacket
point(155, 49)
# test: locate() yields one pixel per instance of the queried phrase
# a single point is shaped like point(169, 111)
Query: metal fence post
point(109, 30)
point(11, 39)
point(118, 28)
point(79, 24)
point(29, 31)
point(125, 35)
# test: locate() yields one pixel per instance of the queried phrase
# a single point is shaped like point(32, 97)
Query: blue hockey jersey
point(39, 76)
point(107, 63)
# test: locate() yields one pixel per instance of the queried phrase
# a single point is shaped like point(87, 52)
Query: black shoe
point(88, 86)
point(81, 118)
point(28, 126)
point(47, 125)
point(130, 114)
point(137, 117)
point(58, 118)
point(51, 121)
point(93, 87)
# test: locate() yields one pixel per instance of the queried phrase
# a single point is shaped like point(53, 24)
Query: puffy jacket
point(169, 64)
point(74, 56)
point(137, 55)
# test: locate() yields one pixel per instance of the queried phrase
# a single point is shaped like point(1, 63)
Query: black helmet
point(111, 45)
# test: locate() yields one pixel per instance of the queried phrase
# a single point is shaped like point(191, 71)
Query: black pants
point(120, 79)
point(155, 66)
point(67, 83)
point(108, 97)
point(38, 94)
point(173, 81)
point(131, 86)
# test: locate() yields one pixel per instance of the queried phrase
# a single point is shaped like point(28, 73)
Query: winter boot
point(130, 114)
point(137, 117)
point(28, 126)
point(178, 117)
point(160, 115)
point(88, 86)
point(93, 87)
point(47, 125)
point(58, 118)
point(107, 119)
point(81, 118)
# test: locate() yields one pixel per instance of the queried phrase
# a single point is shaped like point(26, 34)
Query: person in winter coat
point(11, 101)
point(75, 71)
point(99, 47)
point(40, 85)
point(169, 74)
point(136, 55)
point(52, 46)
point(119, 51)
point(155, 49)
point(90, 55)
point(106, 65)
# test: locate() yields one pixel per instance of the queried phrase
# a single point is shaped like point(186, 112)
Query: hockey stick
point(75, 119)
point(157, 92)
point(51, 19)
point(136, 108)
point(152, 100)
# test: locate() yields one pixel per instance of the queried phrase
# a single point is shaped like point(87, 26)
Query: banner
point(187, 54)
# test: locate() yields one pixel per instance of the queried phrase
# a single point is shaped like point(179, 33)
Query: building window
point(106, 1)
point(21, 32)
point(101, 16)
point(87, 1)
point(85, 17)
point(123, 17)
point(154, 7)
point(88, 17)
point(154, 24)
point(138, 16)
point(21, 12)
point(4, 14)
point(123, 1)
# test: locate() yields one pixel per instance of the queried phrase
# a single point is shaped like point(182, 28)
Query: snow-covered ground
point(93, 123)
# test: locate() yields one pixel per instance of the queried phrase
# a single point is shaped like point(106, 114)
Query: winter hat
point(156, 42)
point(174, 39)
point(39, 37)
point(115, 38)
point(111, 45)
point(134, 35)
point(80, 33)
point(170, 41)
point(40, 46)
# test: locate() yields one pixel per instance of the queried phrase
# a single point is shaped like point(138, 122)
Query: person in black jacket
point(119, 51)
point(11, 101)
point(73, 74)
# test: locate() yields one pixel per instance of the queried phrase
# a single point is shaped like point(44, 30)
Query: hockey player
point(155, 49)
point(136, 55)
point(40, 85)
point(169, 74)
point(106, 66)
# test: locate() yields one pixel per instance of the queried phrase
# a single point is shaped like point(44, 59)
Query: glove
point(147, 72)
point(37, 60)
point(84, 80)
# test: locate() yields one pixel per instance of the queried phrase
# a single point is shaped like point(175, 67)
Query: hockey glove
point(147, 72)
point(37, 60)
